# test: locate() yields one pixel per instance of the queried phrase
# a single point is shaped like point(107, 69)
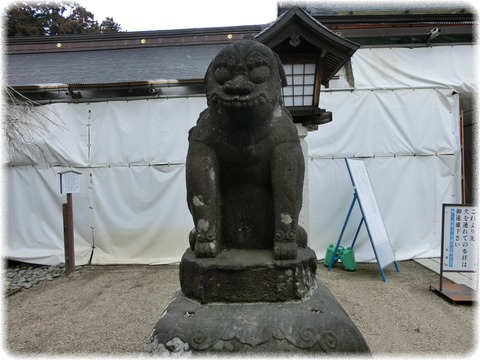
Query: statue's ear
point(281, 71)
point(207, 74)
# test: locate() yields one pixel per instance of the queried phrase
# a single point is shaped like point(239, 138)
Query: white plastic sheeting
point(393, 68)
point(411, 152)
point(34, 217)
point(403, 119)
point(131, 207)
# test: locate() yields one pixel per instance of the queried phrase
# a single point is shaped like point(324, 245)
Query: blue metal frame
point(334, 258)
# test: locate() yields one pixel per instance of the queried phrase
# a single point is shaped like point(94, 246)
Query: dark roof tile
point(110, 66)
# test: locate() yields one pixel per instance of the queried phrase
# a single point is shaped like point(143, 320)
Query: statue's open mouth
point(239, 101)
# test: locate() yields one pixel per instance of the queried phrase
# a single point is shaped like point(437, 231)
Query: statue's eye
point(222, 75)
point(260, 74)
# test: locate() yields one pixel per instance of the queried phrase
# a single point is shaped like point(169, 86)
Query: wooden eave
point(129, 40)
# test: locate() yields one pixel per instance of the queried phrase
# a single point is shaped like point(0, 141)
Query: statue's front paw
point(284, 245)
point(206, 246)
point(208, 249)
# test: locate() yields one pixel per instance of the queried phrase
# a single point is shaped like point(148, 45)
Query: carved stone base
point(247, 276)
point(316, 324)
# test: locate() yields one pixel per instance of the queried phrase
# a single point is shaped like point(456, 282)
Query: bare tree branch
point(27, 129)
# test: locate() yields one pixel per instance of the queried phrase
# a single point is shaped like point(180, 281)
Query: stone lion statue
point(245, 167)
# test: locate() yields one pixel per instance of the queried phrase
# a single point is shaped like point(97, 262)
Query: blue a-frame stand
point(362, 221)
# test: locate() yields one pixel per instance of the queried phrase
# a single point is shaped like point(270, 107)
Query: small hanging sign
point(69, 181)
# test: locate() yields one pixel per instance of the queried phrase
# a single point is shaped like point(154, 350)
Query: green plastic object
point(348, 260)
point(329, 254)
point(345, 255)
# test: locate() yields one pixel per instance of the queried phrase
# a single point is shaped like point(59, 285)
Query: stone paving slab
point(469, 279)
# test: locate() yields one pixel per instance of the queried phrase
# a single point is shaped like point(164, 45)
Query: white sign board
point(459, 243)
point(69, 182)
point(371, 212)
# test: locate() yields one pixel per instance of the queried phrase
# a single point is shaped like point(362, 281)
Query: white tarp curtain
point(440, 66)
point(131, 207)
point(403, 120)
point(407, 140)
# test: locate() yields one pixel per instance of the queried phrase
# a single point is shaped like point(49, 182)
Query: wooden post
point(69, 184)
point(68, 235)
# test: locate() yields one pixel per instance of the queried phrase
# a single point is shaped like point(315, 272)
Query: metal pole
point(358, 230)
point(332, 261)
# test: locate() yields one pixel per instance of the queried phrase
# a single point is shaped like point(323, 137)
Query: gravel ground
point(110, 310)
point(403, 316)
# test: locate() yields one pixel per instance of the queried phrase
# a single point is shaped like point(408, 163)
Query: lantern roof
point(297, 34)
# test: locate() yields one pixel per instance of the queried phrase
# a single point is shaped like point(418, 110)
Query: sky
point(143, 15)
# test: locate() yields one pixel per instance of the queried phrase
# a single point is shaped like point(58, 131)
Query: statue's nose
point(239, 85)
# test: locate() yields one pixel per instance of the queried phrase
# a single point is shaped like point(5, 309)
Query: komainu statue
point(245, 167)
point(245, 171)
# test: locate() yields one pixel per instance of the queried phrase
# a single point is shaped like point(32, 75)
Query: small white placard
point(69, 182)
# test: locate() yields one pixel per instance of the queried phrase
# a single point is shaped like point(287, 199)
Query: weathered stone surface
point(247, 276)
point(248, 280)
point(316, 324)
point(245, 167)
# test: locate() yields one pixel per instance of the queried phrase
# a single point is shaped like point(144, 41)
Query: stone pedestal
point(245, 301)
point(315, 324)
point(247, 276)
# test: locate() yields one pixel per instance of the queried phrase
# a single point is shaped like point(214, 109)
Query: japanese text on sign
point(459, 251)
point(69, 182)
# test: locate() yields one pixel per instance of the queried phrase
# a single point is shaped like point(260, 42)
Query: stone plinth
point(247, 276)
point(317, 324)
